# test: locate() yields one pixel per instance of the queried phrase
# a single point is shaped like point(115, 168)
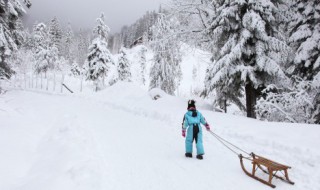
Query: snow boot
point(200, 157)
point(188, 155)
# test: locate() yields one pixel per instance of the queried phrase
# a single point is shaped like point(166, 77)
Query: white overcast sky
point(83, 13)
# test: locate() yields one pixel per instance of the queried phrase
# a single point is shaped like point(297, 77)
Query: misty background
point(82, 14)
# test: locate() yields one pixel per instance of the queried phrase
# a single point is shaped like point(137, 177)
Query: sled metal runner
point(267, 166)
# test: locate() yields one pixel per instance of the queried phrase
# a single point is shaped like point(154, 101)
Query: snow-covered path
point(128, 141)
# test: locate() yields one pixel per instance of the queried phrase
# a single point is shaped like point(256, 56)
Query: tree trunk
point(32, 79)
point(225, 105)
point(96, 85)
point(251, 99)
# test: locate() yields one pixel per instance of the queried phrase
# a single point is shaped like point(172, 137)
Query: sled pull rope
point(225, 142)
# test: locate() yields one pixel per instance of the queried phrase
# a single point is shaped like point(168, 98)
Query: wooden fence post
point(81, 83)
point(62, 80)
point(54, 81)
point(25, 81)
point(41, 79)
point(47, 88)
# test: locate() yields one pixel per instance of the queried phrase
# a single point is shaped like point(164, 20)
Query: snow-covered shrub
point(301, 104)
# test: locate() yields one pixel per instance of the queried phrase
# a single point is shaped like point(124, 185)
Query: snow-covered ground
point(120, 138)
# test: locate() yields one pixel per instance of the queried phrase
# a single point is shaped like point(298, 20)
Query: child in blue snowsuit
point(191, 123)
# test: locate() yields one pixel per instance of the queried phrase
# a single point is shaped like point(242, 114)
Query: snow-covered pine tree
point(97, 62)
point(11, 36)
point(304, 32)
point(46, 53)
point(55, 34)
point(250, 48)
point(299, 102)
point(165, 72)
point(68, 41)
point(102, 30)
point(124, 72)
point(99, 57)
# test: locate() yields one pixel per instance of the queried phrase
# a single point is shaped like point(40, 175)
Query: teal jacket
point(189, 120)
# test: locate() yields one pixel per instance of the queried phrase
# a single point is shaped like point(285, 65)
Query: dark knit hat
point(191, 104)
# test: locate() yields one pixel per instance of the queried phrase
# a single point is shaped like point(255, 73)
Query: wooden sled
point(267, 166)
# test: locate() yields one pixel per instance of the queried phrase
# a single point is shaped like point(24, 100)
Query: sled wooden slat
point(269, 163)
point(267, 166)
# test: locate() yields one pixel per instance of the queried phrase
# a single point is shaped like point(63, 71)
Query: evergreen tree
point(46, 53)
point(304, 32)
point(98, 60)
point(55, 34)
point(99, 57)
point(250, 48)
point(11, 35)
point(102, 30)
point(165, 72)
point(124, 67)
point(68, 44)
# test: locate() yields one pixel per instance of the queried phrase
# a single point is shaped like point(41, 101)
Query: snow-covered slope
point(120, 138)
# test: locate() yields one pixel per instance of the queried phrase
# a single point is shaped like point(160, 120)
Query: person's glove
point(183, 132)
point(207, 127)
